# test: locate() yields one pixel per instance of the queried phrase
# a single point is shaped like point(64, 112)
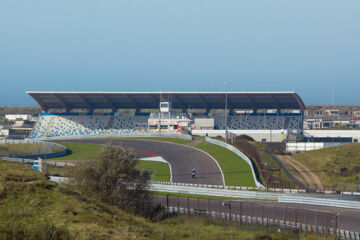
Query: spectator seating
point(40, 127)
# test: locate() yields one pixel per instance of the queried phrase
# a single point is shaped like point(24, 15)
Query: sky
point(310, 47)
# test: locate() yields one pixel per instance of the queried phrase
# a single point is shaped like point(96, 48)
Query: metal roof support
point(300, 102)
point(43, 106)
point(108, 101)
point(181, 102)
point(62, 102)
point(275, 102)
point(251, 101)
point(203, 101)
point(156, 101)
point(86, 102)
point(132, 100)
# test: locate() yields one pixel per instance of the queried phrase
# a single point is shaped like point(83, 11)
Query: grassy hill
point(334, 165)
point(33, 208)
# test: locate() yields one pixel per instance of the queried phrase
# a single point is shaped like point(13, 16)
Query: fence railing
point(284, 168)
point(143, 134)
point(252, 152)
point(46, 153)
point(241, 212)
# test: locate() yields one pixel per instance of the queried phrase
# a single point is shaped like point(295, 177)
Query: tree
point(113, 178)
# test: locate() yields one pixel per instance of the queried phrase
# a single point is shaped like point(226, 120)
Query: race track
point(182, 158)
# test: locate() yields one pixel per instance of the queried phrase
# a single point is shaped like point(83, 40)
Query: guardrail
point(285, 190)
point(28, 160)
point(37, 141)
point(319, 201)
point(157, 135)
point(239, 153)
point(275, 196)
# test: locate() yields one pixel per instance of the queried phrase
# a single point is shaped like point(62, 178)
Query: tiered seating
point(219, 121)
point(40, 127)
point(127, 123)
point(295, 122)
point(252, 122)
point(78, 125)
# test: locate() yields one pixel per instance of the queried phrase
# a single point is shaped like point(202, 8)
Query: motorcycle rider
point(193, 173)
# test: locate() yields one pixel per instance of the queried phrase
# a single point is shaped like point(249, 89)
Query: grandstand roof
point(180, 100)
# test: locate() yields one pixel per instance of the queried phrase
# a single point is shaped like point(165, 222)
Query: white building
point(13, 117)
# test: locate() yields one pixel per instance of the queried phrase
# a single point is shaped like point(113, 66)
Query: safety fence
point(270, 180)
point(288, 173)
point(307, 221)
point(27, 160)
point(45, 150)
point(123, 135)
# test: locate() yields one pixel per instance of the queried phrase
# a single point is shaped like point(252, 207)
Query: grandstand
point(246, 111)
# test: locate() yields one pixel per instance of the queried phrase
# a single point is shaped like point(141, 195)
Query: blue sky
point(310, 47)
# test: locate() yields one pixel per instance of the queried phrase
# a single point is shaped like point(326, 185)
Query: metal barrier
point(27, 160)
point(36, 141)
point(237, 152)
point(319, 201)
point(156, 135)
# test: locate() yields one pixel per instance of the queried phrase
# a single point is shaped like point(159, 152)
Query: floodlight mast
point(225, 115)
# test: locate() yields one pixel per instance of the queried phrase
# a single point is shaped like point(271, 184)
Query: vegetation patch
point(236, 171)
point(160, 171)
point(79, 151)
point(38, 209)
point(336, 165)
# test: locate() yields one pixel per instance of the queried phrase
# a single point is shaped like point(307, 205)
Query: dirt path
point(305, 172)
point(195, 141)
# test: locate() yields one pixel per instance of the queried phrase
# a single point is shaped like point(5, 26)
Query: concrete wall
point(355, 134)
point(257, 135)
point(204, 123)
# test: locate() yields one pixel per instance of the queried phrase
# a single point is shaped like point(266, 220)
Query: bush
point(113, 178)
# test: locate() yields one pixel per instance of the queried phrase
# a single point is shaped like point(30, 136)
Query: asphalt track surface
point(182, 158)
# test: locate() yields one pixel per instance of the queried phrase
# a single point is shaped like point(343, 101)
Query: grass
point(33, 208)
point(236, 171)
point(161, 171)
point(79, 151)
point(22, 149)
point(270, 163)
point(336, 165)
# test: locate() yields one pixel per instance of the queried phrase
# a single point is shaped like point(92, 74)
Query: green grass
point(270, 163)
point(160, 170)
point(236, 171)
point(334, 165)
point(79, 151)
point(33, 208)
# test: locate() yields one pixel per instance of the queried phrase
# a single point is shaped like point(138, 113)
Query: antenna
point(332, 97)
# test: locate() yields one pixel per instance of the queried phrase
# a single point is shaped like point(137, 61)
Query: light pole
point(225, 115)
point(335, 225)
